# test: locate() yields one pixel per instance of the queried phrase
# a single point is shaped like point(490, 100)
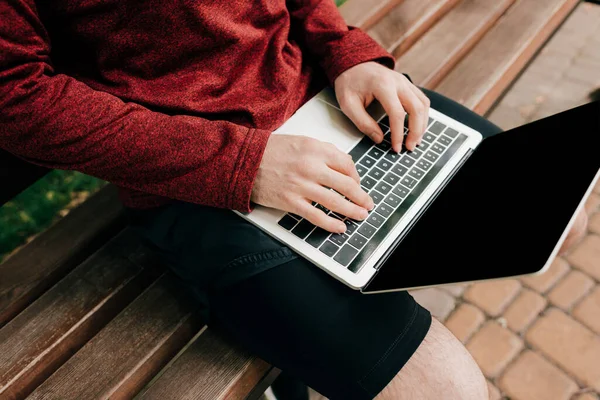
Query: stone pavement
point(539, 337)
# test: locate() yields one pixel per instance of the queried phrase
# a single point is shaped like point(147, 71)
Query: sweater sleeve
point(336, 45)
point(56, 121)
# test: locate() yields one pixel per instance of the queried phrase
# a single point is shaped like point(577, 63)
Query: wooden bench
point(85, 310)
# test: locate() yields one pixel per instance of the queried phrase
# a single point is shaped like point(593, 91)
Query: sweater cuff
point(356, 47)
point(246, 169)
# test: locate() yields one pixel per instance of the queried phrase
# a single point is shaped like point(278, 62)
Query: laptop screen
point(505, 210)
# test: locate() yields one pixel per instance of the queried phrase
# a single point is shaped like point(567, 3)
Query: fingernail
point(342, 228)
point(371, 203)
point(364, 213)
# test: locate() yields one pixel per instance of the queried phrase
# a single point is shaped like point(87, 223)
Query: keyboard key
point(385, 121)
point(366, 230)
point(451, 132)
point(437, 128)
point(383, 127)
point(416, 173)
point(384, 165)
point(367, 161)
point(423, 146)
point(430, 121)
point(399, 170)
point(376, 196)
point(287, 222)
point(383, 188)
point(438, 148)
point(357, 241)
point(424, 165)
point(338, 238)
point(303, 229)
point(407, 161)
point(368, 182)
point(375, 153)
point(384, 146)
point(388, 137)
point(345, 255)
point(361, 169)
point(376, 173)
point(317, 237)
point(375, 219)
point(409, 182)
point(431, 156)
point(428, 137)
point(329, 248)
point(401, 191)
point(323, 208)
point(384, 210)
point(392, 200)
point(416, 153)
point(445, 140)
point(391, 179)
point(296, 216)
point(350, 226)
point(392, 156)
point(334, 215)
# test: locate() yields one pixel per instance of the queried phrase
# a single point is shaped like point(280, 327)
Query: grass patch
point(42, 203)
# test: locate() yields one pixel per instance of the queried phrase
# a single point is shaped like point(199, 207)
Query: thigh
point(461, 113)
point(345, 344)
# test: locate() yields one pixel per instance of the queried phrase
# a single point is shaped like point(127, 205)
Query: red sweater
point(165, 99)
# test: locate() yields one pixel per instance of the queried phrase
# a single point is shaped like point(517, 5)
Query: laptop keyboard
point(393, 180)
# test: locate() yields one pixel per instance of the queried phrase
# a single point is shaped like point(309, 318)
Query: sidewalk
point(539, 338)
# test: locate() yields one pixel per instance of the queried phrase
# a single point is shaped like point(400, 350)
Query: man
point(174, 102)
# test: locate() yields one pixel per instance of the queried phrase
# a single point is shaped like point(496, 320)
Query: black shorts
point(342, 343)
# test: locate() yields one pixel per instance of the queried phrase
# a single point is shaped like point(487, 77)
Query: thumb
point(354, 109)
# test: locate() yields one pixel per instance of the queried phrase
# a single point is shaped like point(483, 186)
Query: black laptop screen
point(506, 209)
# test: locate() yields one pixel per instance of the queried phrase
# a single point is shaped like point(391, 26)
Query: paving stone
point(586, 255)
point(439, 303)
point(569, 344)
point(588, 310)
point(465, 321)
point(493, 347)
point(543, 282)
point(493, 296)
point(524, 310)
point(532, 377)
point(570, 290)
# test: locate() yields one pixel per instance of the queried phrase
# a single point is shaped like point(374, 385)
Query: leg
point(441, 368)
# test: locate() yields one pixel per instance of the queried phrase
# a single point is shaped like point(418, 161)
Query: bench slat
point(211, 368)
point(130, 350)
point(444, 45)
point(483, 75)
point(406, 23)
point(41, 338)
point(364, 14)
point(51, 255)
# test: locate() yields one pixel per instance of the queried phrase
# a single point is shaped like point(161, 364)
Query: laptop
point(457, 209)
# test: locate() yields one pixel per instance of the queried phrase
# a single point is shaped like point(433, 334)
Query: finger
point(388, 98)
point(416, 113)
point(336, 203)
point(342, 162)
point(319, 218)
point(354, 109)
point(426, 103)
point(349, 188)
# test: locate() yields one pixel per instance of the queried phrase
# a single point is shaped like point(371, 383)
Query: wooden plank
point(211, 368)
point(41, 338)
point(444, 45)
point(51, 255)
point(406, 23)
point(364, 14)
point(16, 175)
point(124, 356)
point(483, 75)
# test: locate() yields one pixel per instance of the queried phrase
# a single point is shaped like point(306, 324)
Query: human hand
point(297, 170)
point(358, 86)
point(577, 231)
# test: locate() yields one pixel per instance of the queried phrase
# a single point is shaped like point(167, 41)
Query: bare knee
point(441, 368)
